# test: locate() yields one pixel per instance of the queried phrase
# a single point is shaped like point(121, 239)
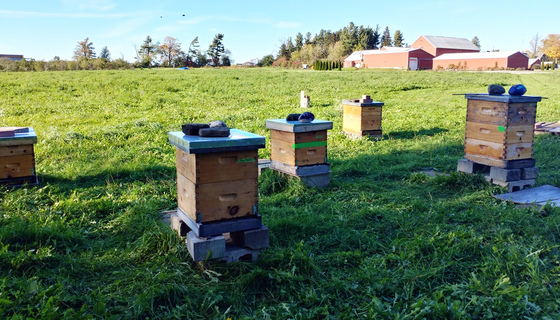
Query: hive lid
point(297, 127)
point(502, 98)
point(21, 136)
point(357, 103)
point(237, 141)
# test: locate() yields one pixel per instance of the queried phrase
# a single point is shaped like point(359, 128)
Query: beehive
point(217, 177)
point(362, 117)
point(298, 144)
point(499, 129)
point(17, 158)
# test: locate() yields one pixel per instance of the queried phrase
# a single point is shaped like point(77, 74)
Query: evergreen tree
point(308, 38)
point(398, 39)
point(386, 38)
point(290, 46)
point(148, 50)
point(349, 38)
point(216, 49)
point(299, 41)
point(283, 52)
point(192, 50)
point(476, 41)
point(105, 54)
point(374, 44)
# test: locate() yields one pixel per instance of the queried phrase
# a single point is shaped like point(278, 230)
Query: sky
point(43, 29)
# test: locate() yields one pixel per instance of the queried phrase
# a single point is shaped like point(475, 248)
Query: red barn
point(482, 60)
point(437, 46)
point(391, 57)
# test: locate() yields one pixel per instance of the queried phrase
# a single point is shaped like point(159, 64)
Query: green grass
point(384, 240)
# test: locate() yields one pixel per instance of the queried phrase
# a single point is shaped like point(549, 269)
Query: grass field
point(384, 240)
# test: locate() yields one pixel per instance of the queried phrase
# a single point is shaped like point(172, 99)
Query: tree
point(386, 38)
point(201, 60)
point(192, 50)
point(284, 52)
point(534, 48)
point(147, 52)
point(170, 50)
point(105, 54)
point(216, 49)
point(551, 46)
point(225, 58)
point(266, 61)
point(349, 38)
point(84, 49)
point(398, 39)
point(476, 41)
point(299, 41)
point(308, 38)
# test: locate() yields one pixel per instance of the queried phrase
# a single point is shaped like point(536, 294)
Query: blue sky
point(42, 29)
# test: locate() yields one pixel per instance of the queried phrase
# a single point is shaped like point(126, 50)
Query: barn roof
point(477, 55)
point(451, 43)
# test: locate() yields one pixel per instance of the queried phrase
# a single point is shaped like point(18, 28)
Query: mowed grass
point(384, 240)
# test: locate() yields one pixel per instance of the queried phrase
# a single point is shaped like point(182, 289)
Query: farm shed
point(391, 57)
point(534, 63)
point(11, 56)
point(355, 59)
point(482, 60)
point(437, 45)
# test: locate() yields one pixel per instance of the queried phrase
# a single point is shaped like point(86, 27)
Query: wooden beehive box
point(17, 158)
point(362, 117)
point(499, 129)
point(217, 177)
point(298, 144)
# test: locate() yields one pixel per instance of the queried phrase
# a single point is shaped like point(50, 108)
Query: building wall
point(441, 51)
point(388, 60)
point(473, 64)
point(350, 64)
point(518, 60)
point(425, 59)
point(425, 45)
point(514, 61)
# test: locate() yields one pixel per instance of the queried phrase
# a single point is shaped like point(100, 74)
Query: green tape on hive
point(309, 144)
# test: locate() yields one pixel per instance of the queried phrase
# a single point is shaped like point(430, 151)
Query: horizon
point(252, 30)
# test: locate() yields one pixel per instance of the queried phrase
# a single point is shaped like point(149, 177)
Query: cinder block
point(264, 164)
point(529, 173)
point(252, 239)
point(178, 225)
point(234, 253)
point(513, 186)
point(470, 167)
point(320, 180)
point(506, 175)
point(205, 248)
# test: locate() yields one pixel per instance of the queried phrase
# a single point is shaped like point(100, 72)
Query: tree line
point(331, 45)
point(170, 53)
point(150, 54)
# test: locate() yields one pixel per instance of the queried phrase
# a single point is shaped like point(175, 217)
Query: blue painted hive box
point(217, 177)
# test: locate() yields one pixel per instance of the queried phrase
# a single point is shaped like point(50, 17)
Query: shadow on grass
point(151, 173)
point(396, 165)
point(409, 134)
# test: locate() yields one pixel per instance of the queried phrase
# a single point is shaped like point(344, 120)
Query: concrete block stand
point(228, 247)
